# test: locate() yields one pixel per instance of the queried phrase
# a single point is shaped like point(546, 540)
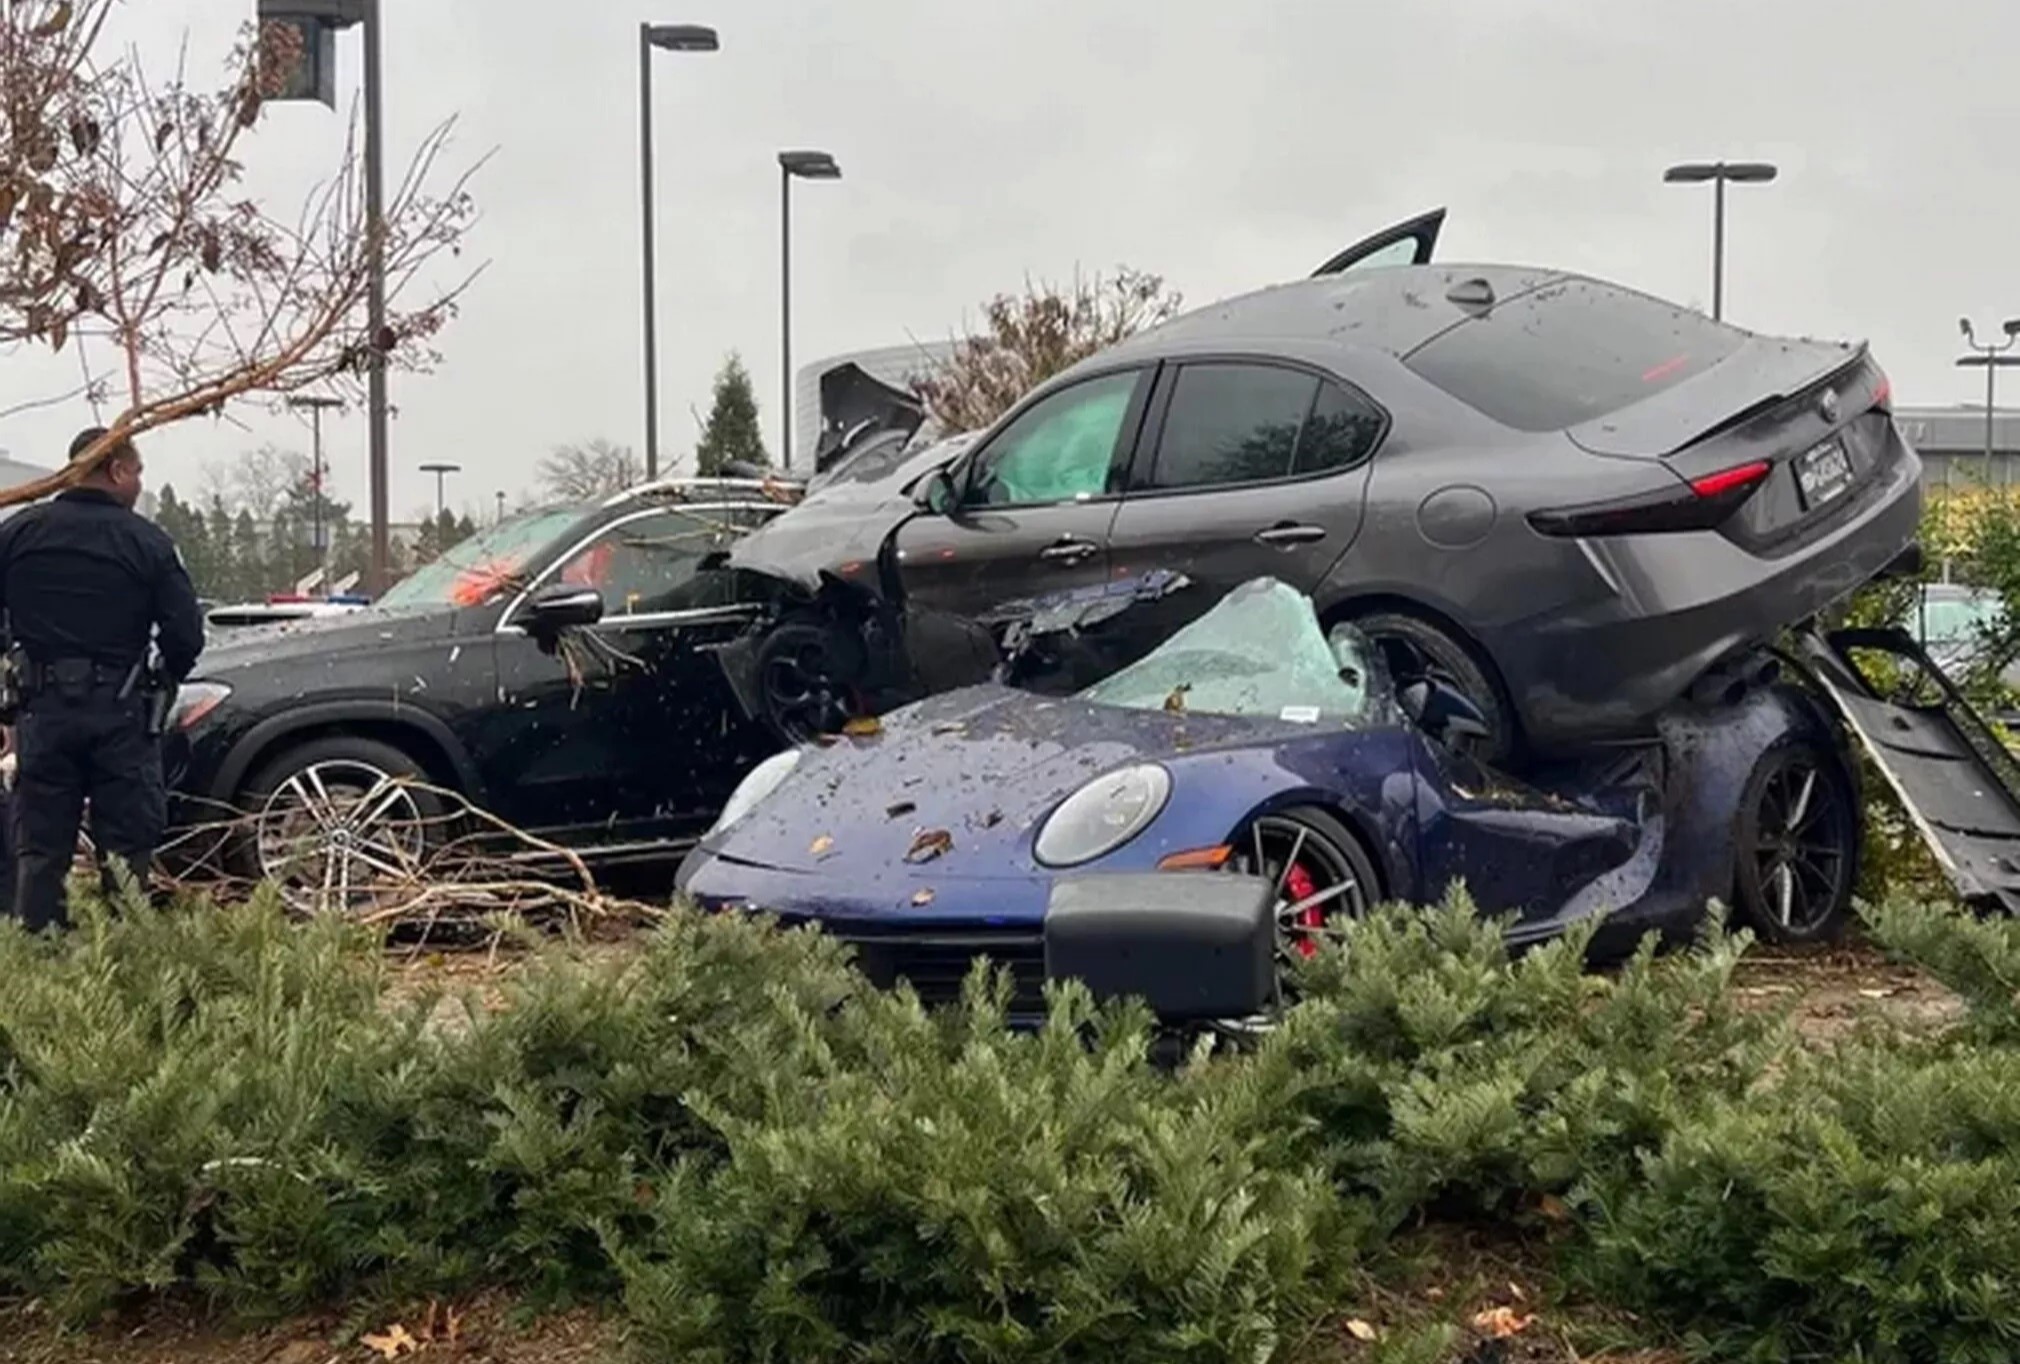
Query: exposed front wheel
point(340, 825)
point(1797, 842)
point(1320, 872)
point(807, 676)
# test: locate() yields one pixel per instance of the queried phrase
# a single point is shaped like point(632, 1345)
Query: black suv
point(556, 670)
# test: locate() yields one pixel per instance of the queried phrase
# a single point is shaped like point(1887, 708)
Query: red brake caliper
point(1299, 885)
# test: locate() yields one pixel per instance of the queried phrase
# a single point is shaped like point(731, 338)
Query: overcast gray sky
point(1224, 146)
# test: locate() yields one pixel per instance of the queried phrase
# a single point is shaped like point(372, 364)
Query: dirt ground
point(1485, 1294)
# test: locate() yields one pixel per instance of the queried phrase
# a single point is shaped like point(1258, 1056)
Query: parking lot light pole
point(668, 38)
point(1719, 172)
point(1991, 357)
point(317, 22)
point(315, 407)
point(441, 472)
point(803, 165)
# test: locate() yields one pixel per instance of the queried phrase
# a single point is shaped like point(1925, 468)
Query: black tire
point(1796, 845)
point(1333, 858)
point(1458, 666)
point(807, 675)
point(351, 770)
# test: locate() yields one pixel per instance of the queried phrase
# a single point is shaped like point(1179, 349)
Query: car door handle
point(1287, 533)
point(1069, 550)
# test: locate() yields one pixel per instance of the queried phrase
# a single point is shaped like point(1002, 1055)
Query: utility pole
point(1991, 357)
point(315, 407)
point(1719, 172)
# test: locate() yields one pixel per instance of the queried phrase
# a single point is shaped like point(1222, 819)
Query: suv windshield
point(486, 565)
point(1571, 352)
point(1258, 654)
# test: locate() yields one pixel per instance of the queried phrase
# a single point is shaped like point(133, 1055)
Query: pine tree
point(732, 432)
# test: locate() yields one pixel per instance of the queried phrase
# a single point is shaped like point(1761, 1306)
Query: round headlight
point(764, 779)
point(1103, 815)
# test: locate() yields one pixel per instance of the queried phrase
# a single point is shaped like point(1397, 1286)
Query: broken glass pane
point(1259, 654)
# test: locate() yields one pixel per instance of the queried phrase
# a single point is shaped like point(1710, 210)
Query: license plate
point(1823, 472)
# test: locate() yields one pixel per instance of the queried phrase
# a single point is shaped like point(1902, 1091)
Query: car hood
point(840, 524)
point(262, 646)
point(982, 765)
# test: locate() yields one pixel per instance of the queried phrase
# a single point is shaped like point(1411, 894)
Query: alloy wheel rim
point(802, 693)
point(1800, 856)
point(336, 835)
point(1314, 882)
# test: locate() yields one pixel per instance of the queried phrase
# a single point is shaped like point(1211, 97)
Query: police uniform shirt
point(83, 577)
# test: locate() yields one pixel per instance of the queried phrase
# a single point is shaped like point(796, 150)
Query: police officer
point(84, 581)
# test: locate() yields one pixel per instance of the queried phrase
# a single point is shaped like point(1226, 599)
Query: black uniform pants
point(94, 748)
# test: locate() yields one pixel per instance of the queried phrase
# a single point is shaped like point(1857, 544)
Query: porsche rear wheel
point(1320, 872)
point(1797, 842)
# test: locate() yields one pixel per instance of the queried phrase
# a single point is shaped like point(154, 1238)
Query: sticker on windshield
point(1300, 715)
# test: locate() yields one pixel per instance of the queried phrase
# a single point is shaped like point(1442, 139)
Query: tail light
point(1701, 504)
point(1883, 393)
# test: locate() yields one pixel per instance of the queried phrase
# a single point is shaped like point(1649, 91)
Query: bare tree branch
point(122, 222)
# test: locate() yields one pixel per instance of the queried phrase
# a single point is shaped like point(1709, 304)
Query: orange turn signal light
point(1198, 859)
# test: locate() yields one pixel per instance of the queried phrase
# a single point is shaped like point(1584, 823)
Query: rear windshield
point(1570, 353)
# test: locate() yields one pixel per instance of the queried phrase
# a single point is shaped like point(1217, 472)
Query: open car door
point(1957, 781)
point(1407, 243)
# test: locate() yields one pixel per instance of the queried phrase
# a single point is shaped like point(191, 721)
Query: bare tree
point(123, 231)
point(257, 481)
point(592, 469)
point(1027, 338)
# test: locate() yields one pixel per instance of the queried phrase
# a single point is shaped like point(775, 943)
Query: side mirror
point(560, 608)
point(1443, 712)
point(937, 494)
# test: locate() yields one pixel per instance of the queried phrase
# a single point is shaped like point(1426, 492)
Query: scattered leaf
point(1499, 1323)
point(1175, 703)
point(928, 844)
point(394, 1343)
point(1553, 1208)
point(924, 897)
point(992, 819)
point(1516, 1289)
point(826, 740)
point(901, 809)
point(58, 20)
point(1361, 1330)
point(942, 731)
point(863, 727)
point(1877, 994)
point(821, 846)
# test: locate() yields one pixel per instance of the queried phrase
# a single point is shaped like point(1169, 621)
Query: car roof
point(1388, 309)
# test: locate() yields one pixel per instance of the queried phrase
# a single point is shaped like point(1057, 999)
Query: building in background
point(894, 365)
point(1951, 441)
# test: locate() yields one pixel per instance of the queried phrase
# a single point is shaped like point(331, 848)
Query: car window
point(1260, 654)
point(1571, 352)
point(1402, 251)
point(1060, 451)
point(487, 565)
point(1343, 430)
point(1240, 423)
point(651, 564)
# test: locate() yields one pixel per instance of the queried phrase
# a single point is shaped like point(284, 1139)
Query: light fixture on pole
point(441, 472)
point(501, 507)
point(1991, 357)
point(314, 78)
point(668, 38)
point(802, 165)
point(315, 407)
point(1719, 172)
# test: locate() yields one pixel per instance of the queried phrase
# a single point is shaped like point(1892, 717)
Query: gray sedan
point(1582, 501)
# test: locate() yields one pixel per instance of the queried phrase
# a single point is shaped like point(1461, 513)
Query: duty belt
point(74, 675)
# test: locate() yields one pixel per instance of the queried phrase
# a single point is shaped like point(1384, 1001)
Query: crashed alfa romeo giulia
point(1581, 503)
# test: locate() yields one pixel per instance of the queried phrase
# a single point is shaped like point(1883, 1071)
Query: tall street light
point(317, 22)
point(803, 165)
point(1719, 172)
point(315, 407)
point(1991, 357)
point(441, 472)
point(669, 38)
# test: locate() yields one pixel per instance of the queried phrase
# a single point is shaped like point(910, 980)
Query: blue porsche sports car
point(1250, 741)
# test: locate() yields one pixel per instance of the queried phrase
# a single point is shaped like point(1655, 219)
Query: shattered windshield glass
point(1259, 654)
point(484, 566)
